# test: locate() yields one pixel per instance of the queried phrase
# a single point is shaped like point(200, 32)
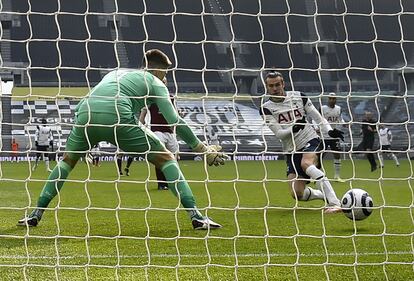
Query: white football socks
point(395, 159)
point(327, 189)
point(337, 167)
point(311, 194)
point(381, 159)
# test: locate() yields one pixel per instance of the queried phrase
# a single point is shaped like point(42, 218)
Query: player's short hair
point(331, 95)
point(156, 59)
point(44, 121)
point(274, 74)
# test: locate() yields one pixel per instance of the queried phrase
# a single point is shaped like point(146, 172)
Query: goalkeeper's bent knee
point(160, 158)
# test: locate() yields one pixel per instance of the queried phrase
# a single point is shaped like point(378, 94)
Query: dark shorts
point(385, 147)
point(293, 161)
point(42, 148)
point(332, 145)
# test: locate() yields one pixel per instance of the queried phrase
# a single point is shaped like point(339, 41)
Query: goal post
point(104, 225)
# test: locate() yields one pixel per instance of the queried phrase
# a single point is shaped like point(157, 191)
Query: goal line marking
point(212, 255)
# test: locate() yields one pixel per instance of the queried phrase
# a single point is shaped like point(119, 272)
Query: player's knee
point(70, 161)
point(296, 187)
point(159, 159)
point(296, 193)
point(307, 162)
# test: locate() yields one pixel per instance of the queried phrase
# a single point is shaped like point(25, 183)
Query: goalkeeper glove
point(335, 133)
point(212, 153)
point(299, 125)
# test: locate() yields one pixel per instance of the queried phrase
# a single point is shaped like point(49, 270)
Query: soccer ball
point(357, 204)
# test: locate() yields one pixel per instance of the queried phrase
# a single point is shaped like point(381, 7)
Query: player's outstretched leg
point(51, 188)
point(397, 163)
point(161, 180)
point(381, 160)
point(372, 161)
point(129, 162)
point(47, 163)
point(38, 155)
point(334, 205)
point(180, 188)
point(301, 192)
point(337, 168)
point(119, 165)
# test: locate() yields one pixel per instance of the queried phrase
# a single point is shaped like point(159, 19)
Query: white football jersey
point(281, 116)
point(95, 151)
point(333, 116)
point(385, 136)
point(43, 135)
point(212, 137)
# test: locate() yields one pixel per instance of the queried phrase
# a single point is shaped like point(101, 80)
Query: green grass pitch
point(24, 93)
point(109, 228)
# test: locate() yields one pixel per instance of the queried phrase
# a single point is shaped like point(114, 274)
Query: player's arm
point(389, 136)
point(274, 126)
point(214, 157)
point(341, 118)
point(171, 116)
point(324, 125)
point(369, 128)
point(316, 126)
point(315, 115)
point(142, 115)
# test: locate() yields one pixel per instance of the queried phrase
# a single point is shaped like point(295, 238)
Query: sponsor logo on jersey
point(290, 116)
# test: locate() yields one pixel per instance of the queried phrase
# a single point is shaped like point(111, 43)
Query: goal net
point(105, 224)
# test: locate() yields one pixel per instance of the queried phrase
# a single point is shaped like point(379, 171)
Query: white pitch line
point(213, 255)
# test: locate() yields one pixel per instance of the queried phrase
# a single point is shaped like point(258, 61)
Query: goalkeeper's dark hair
point(156, 59)
point(274, 74)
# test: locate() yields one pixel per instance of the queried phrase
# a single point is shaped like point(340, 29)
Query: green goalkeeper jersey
point(122, 94)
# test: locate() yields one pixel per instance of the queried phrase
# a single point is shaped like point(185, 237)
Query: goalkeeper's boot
point(32, 220)
point(332, 210)
point(126, 172)
point(204, 224)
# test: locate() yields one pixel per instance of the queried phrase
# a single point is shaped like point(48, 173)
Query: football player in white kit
point(212, 136)
point(333, 114)
point(285, 113)
point(385, 138)
point(43, 139)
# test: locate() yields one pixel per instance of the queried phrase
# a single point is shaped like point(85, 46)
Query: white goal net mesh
point(105, 224)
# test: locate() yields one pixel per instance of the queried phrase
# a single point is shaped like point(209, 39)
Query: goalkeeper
point(108, 114)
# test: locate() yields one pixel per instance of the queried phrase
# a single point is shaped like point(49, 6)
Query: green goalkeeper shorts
point(124, 132)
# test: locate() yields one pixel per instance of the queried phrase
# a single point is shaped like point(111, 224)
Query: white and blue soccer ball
point(357, 204)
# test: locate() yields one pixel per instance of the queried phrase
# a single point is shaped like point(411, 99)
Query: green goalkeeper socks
point(179, 186)
point(54, 184)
